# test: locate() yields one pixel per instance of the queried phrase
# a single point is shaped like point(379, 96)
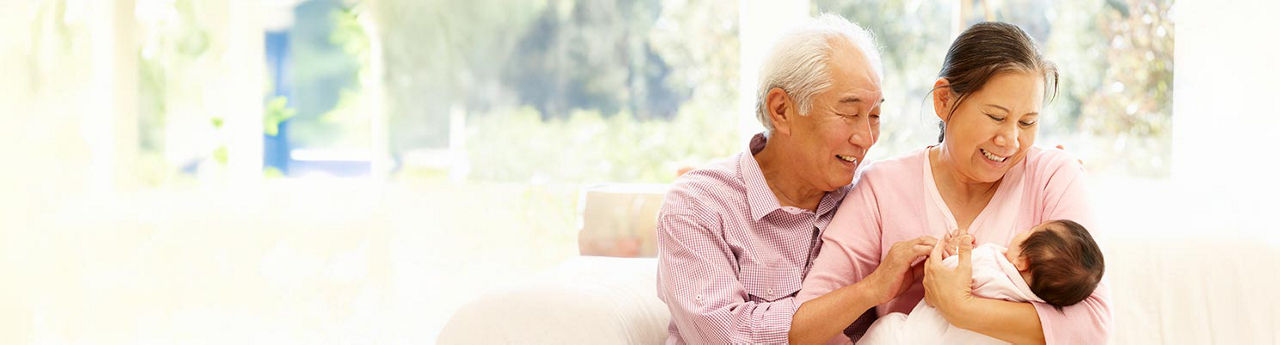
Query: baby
point(1056, 262)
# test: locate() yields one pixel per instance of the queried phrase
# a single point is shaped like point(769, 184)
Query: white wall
point(1226, 112)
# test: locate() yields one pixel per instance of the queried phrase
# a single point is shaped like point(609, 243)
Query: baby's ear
point(1020, 263)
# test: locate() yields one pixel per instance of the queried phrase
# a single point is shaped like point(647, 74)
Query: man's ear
point(781, 110)
point(942, 98)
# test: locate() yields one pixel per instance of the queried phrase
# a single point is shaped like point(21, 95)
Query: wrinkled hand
point(896, 272)
point(946, 288)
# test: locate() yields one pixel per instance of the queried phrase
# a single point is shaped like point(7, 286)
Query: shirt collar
point(760, 198)
point(831, 200)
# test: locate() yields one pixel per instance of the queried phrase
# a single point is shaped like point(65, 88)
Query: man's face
point(844, 120)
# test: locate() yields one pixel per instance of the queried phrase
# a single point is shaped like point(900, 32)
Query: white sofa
point(586, 300)
point(1165, 291)
point(1177, 277)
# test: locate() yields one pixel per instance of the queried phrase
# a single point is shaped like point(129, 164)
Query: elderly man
point(736, 237)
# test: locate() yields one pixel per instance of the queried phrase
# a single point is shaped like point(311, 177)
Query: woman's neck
point(952, 183)
point(785, 180)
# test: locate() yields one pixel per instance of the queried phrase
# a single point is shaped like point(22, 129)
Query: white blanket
point(993, 277)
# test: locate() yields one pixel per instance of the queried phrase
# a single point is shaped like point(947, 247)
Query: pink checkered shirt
point(730, 258)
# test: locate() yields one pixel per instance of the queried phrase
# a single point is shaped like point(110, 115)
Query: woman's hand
point(945, 288)
point(895, 273)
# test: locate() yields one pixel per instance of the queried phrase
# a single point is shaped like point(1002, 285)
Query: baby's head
point(1059, 260)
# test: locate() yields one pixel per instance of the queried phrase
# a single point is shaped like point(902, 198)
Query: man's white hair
point(798, 60)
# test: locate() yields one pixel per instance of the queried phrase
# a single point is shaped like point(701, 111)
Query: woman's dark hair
point(987, 49)
point(1065, 263)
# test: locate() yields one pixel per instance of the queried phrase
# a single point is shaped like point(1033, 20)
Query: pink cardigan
point(896, 200)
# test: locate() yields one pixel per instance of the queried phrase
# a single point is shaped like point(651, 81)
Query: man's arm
point(823, 317)
point(698, 282)
point(819, 319)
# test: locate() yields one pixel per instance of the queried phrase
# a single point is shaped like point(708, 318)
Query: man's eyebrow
point(855, 99)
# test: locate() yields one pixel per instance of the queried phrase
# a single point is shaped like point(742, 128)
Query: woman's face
point(994, 127)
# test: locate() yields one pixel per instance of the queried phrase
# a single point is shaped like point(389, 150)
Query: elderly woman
point(984, 176)
point(736, 237)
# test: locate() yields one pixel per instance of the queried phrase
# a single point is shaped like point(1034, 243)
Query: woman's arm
point(1088, 322)
point(951, 292)
point(1013, 322)
point(1065, 196)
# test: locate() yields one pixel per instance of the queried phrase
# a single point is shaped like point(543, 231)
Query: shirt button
point(770, 291)
point(698, 297)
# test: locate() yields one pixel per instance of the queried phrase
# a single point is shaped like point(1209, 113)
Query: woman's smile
point(994, 161)
point(992, 157)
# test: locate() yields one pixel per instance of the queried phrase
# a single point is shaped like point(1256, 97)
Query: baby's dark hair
point(1065, 263)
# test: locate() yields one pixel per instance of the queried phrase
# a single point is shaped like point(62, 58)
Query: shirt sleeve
point(850, 247)
point(698, 282)
point(1090, 321)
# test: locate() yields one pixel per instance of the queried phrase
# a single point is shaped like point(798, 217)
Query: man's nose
point(862, 135)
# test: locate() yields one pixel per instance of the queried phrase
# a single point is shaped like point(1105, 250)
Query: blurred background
point(341, 171)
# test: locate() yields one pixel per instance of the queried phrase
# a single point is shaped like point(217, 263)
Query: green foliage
point(444, 53)
point(699, 40)
point(277, 111)
point(220, 155)
point(913, 38)
point(568, 91)
point(172, 64)
point(1133, 106)
point(349, 33)
point(329, 49)
point(350, 114)
point(598, 56)
point(272, 173)
point(588, 147)
point(1115, 60)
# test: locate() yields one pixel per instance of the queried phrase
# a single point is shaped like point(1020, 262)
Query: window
point(562, 91)
point(1115, 60)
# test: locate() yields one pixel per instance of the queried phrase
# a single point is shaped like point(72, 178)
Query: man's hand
point(895, 273)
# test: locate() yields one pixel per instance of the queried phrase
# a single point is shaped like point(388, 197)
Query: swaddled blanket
point(993, 277)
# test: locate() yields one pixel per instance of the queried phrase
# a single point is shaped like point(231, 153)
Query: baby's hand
point(952, 241)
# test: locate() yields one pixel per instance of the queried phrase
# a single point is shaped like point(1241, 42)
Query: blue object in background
point(276, 148)
point(300, 61)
